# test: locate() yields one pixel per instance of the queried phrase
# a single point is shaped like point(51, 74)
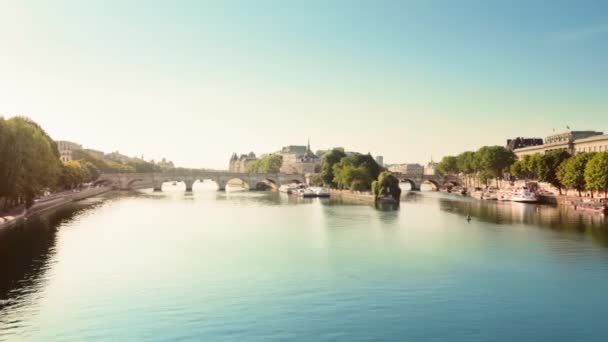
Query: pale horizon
point(194, 83)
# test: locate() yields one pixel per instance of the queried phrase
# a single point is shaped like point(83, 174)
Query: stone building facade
point(571, 141)
point(66, 148)
point(410, 169)
point(299, 159)
point(239, 164)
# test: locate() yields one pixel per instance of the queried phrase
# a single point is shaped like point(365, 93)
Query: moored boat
point(524, 195)
point(319, 191)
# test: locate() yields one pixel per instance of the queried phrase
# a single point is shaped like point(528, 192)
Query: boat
point(286, 188)
point(490, 194)
point(305, 193)
point(524, 195)
point(319, 191)
point(459, 190)
point(504, 195)
point(291, 188)
point(477, 193)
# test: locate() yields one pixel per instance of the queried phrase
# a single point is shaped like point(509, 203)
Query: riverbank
point(356, 196)
point(53, 202)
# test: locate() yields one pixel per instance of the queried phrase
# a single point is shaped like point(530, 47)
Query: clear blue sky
point(195, 81)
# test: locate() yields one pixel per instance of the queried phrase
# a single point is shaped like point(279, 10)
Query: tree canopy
point(29, 160)
point(327, 168)
point(269, 164)
point(354, 172)
point(596, 173)
point(571, 172)
point(386, 185)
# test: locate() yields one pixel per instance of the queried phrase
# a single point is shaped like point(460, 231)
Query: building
point(596, 143)
point(410, 169)
point(570, 141)
point(519, 142)
point(431, 168)
point(164, 164)
point(66, 148)
point(380, 160)
point(299, 159)
point(239, 164)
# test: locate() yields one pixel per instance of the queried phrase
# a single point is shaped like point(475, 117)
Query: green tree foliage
point(386, 185)
point(141, 166)
point(466, 163)
point(252, 166)
point(349, 176)
point(547, 166)
point(448, 166)
point(494, 161)
point(596, 173)
point(269, 164)
point(355, 172)
point(29, 160)
point(526, 167)
point(330, 159)
point(571, 172)
point(73, 174)
point(102, 164)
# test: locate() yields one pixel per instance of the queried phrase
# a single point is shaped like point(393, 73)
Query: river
point(226, 266)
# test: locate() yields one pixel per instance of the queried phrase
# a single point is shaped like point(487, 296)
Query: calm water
point(260, 266)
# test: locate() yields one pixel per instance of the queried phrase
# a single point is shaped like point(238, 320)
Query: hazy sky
point(194, 81)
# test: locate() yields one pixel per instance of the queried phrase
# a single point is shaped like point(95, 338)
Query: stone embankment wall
point(55, 201)
point(352, 196)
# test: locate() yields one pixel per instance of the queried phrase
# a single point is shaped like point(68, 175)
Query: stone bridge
point(416, 180)
point(126, 181)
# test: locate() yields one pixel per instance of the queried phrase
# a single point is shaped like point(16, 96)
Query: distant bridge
point(155, 180)
point(416, 180)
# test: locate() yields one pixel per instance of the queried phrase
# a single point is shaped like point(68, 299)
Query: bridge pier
point(189, 184)
point(221, 185)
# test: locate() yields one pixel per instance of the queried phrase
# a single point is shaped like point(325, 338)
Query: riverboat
point(524, 195)
point(504, 195)
point(319, 191)
point(490, 194)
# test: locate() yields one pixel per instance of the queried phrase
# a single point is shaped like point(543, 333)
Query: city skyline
point(196, 82)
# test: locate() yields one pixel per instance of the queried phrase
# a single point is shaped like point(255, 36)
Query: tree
point(596, 173)
point(448, 165)
point(73, 174)
point(356, 172)
point(547, 166)
point(466, 163)
point(38, 160)
point(386, 185)
point(252, 166)
point(571, 172)
point(270, 163)
point(526, 166)
point(494, 161)
point(327, 168)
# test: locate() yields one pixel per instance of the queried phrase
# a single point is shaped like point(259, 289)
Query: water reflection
point(26, 253)
point(556, 218)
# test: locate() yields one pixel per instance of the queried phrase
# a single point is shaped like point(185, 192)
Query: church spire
point(308, 145)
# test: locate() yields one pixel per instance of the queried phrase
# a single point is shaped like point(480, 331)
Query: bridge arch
point(413, 185)
point(133, 181)
point(434, 184)
point(238, 181)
